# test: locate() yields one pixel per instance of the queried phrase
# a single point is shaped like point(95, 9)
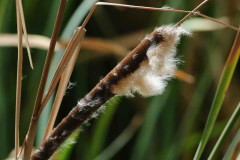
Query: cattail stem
point(99, 95)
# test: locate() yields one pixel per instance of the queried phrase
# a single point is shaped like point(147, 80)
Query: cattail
point(145, 70)
point(157, 66)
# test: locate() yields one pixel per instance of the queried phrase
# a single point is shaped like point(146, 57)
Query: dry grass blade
point(42, 42)
point(122, 139)
point(102, 45)
point(129, 40)
point(25, 32)
point(35, 116)
point(219, 22)
point(193, 12)
point(60, 92)
point(19, 80)
point(73, 44)
point(142, 7)
point(184, 76)
point(36, 41)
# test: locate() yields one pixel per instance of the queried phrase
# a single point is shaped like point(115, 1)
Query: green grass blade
point(66, 148)
point(225, 132)
point(51, 18)
point(219, 95)
point(232, 146)
point(145, 135)
point(170, 122)
point(77, 18)
point(191, 142)
point(189, 118)
point(101, 128)
point(5, 107)
point(112, 149)
point(3, 8)
point(43, 120)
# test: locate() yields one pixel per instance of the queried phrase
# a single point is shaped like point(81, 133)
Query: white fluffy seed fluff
point(83, 103)
point(152, 75)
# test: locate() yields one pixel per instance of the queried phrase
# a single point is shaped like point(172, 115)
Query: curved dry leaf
point(36, 41)
point(24, 28)
point(42, 42)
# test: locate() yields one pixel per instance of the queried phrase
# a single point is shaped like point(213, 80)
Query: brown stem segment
point(99, 95)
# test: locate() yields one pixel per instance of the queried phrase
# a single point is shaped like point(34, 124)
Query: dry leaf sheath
point(144, 70)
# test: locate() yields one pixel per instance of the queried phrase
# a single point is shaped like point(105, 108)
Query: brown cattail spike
point(107, 88)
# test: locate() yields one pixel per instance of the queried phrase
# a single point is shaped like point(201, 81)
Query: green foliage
point(226, 131)
point(64, 152)
point(223, 85)
point(173, 122)
point(101, 129)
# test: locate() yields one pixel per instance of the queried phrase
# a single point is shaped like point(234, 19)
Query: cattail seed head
point(152, 75)
point(144, 70)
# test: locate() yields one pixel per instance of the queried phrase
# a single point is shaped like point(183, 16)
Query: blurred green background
point(168, 126)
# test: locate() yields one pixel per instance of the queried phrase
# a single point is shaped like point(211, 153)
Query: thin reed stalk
point(19, 79)
point(29, 140)
point(61, 91)
point(73, 44)
point(167, 10)
point(25, 35)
